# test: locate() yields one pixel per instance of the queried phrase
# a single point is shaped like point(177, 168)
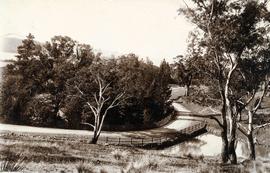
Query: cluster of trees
point(66, 84)
point(230, 52)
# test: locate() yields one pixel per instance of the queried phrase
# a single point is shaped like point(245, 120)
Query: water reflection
point(210, 145)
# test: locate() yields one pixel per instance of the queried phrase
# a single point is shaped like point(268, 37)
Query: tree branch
point(241, 127)
point(88, 124)
point(105, 88)
point(262, 96)
point(80, 91)
point(113, 104)
point(251, 98)
point(93, 109)
point(118, 97)
point(248, 101)
point(95, 97)
point(261, 126)
point(219, 123)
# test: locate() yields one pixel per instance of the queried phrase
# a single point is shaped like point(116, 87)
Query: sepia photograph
point(135, 86)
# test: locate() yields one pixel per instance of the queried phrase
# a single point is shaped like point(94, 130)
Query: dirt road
point(175, 125)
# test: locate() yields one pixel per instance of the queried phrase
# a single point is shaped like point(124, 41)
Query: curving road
point(178, 123)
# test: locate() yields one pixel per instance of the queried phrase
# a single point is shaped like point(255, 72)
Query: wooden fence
point(154, 141)
point(145, 142)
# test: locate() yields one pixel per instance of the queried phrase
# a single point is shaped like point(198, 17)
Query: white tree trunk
point(232, 117)
point(98, 108)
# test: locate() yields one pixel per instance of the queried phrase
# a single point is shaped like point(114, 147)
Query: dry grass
point(12, 162)
point(84, 167)
point(120, 154)
point(82, 158)
point(143, 164)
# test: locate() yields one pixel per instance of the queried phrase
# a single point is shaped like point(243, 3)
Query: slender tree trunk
point(232, 134)
point(232, 118)
point(97, 129)
point(187, 90)
point(95, 135)
point(224, 149)
point(232, 153)
point(251, 112)
point(239, 116)
point(94, 138)
point(232, 147)
point(188, 84)
point(251, 144)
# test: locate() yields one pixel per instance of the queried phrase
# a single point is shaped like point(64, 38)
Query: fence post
point(119, 141)
point(107, 139)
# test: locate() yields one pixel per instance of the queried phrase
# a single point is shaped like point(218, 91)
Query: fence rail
point(146, 141)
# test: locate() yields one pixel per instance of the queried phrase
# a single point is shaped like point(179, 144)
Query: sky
point(148, 28)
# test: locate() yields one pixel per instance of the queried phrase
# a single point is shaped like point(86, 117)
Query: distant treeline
point(39, 88)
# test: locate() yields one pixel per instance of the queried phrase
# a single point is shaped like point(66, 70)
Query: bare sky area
point(148, 28)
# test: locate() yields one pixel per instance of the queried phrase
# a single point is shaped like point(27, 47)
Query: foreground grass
point(12, 162)
point(78, 156)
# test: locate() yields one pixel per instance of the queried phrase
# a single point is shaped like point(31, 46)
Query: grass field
point(74, 155)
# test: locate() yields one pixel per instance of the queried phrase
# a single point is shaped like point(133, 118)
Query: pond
point(210, 145)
